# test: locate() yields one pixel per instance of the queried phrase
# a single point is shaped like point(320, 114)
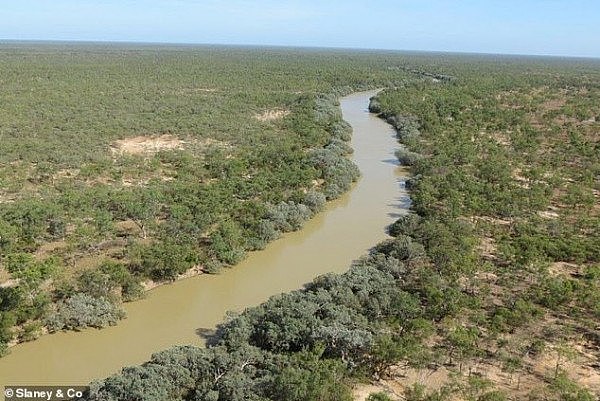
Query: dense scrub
point(492, 280)
point(124, 165)
point(506, 181)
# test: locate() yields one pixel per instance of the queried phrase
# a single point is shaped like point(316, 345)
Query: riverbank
point(323, 245)
point(94, 294)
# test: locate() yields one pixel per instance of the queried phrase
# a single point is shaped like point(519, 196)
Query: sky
point(541, 27)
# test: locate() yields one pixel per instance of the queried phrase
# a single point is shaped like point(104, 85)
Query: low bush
point(83, 310)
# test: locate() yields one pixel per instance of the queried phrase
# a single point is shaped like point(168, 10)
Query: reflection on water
point(182, 312)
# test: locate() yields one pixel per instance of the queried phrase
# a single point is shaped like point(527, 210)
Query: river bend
point(176, 313)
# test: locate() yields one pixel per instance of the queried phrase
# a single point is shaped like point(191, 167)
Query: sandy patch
point(563, 269)
point(487, 248)
point(548, 214)
point(362, 391)
point(66, 173)
point(48, 248)
point(5, 280)
point(190, 91)
point(270, 115)
point(6, 198)
point(146, 144)
point(501, 138)
point(492, 220)
point(580, 367)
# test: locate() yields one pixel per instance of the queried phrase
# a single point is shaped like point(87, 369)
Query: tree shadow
point(210, 336)
point(393, 162)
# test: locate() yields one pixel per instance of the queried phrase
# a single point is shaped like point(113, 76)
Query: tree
point(140, 205)
point(81, 311)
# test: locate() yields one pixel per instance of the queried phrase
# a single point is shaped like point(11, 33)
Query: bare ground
point(270, 115)
point(146, 144)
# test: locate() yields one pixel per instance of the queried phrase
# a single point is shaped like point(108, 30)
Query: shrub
point(228, 243)
point(405, 225)
point(81, 311)
point(406, 157)
point(314, 200)
point(3, 348)
point(381, 396)
point(212, 266)
point(162, 261)
point(374, 105)
point(341, 130)
point(401, 248)
point(288, 216)
point(339, 147)
point(31, 331)
point(337, 171)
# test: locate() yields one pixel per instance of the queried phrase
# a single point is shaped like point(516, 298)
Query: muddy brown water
point(177, 313)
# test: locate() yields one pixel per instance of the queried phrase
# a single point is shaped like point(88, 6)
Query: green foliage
point(405, 225)
point(81, 311)
point(407, 158)
point(488, 158)
point(418, 392)
point(109, 279)
point(567, 390)
point(493, 396)
point(514, 315)
point(10, 298)
point(227, 243)
point(337, 171)
point(23, 266)
point(72, 188)
point(307, 377)
point(162, 261)
point(7, 320)
point(378, 396)
point(288, 216)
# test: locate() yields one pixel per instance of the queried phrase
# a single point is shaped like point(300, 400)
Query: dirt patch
point(553, 104)
point(563, 269)
point(579, 367)
point(270, 115)
point(50, 247)
point(6, 198)
point(487, 248)
point(522, 181)
point(146, 144)
point(548, 214)
point(5, 280)
point(491, 220)
point(362, 391)
point(66, 173)
point(402, 379)
point(533, 378)
point(501, 138)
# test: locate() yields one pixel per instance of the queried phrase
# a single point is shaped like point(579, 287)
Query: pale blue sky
point(557, 27)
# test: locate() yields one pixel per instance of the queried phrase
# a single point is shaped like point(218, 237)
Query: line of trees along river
point(496, 269)
point(326, 243)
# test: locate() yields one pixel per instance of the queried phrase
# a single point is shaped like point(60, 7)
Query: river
point(177, 313)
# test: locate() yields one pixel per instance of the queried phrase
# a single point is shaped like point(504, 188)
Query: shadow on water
point(402, 203)
point(393, 162)
point(208, 335)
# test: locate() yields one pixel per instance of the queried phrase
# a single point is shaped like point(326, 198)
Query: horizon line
point(167, 43)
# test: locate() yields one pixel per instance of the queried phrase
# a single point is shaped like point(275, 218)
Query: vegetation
point(492, 279)
point(122, 165)
point(494, 273)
